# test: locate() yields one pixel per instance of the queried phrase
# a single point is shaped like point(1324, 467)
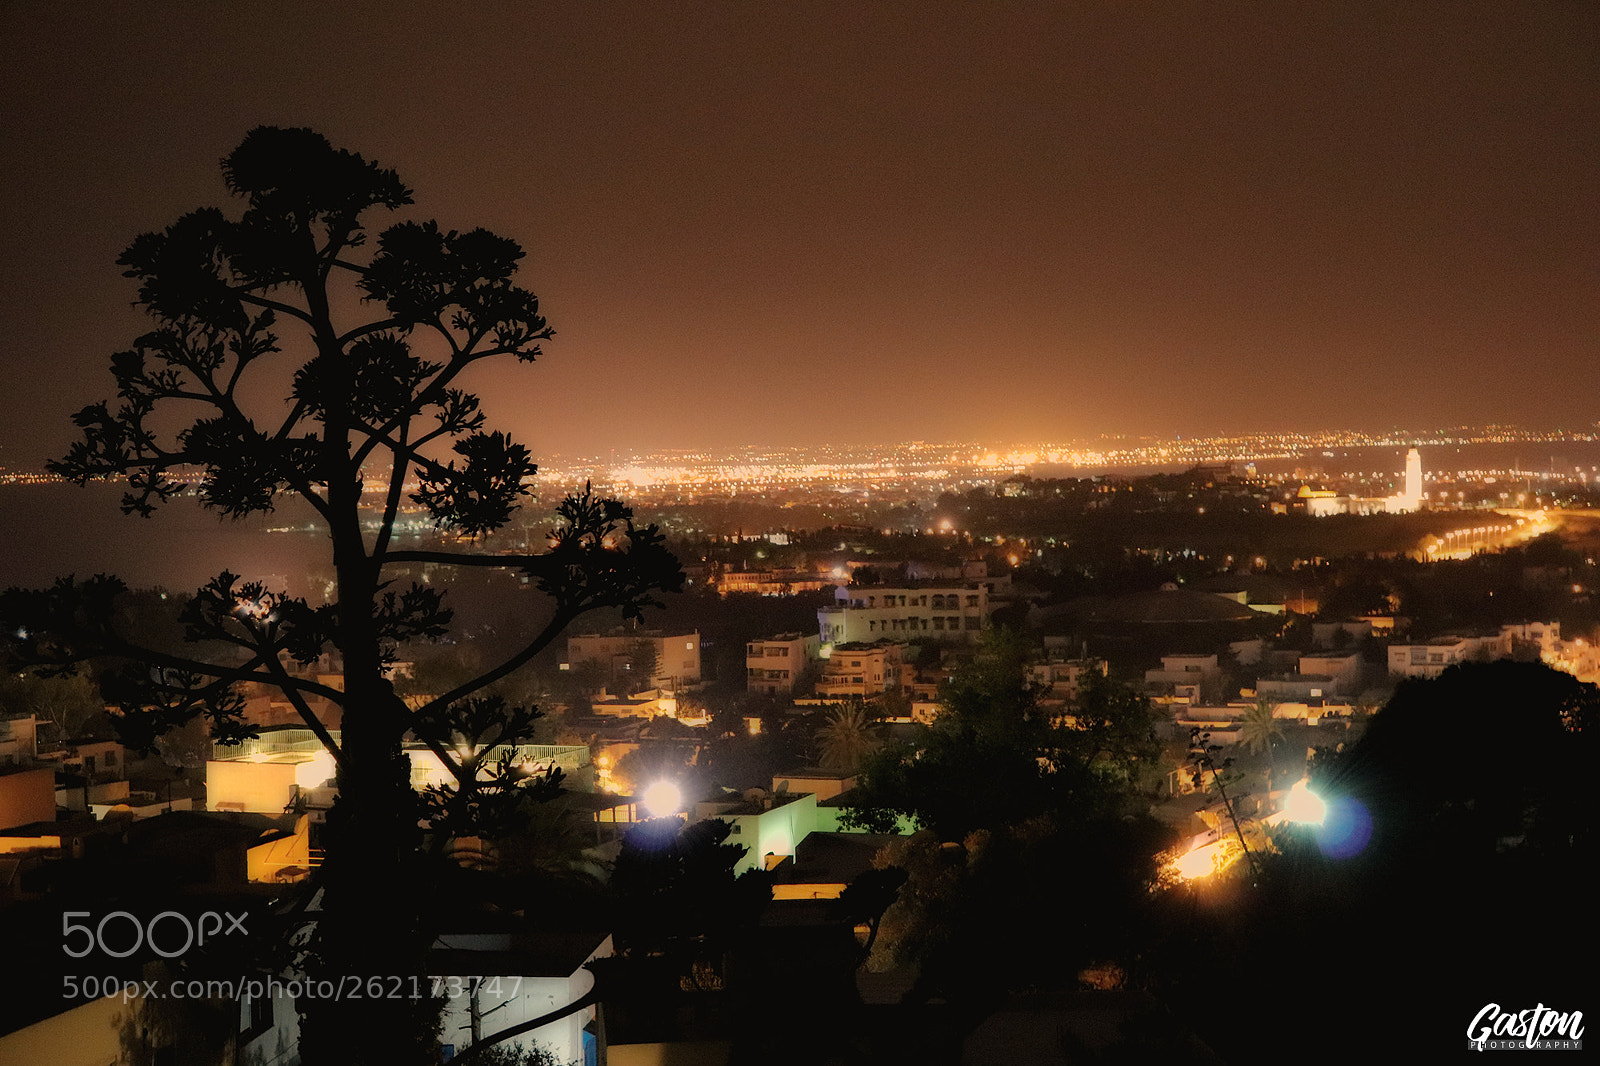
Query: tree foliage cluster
point(679, 903)
point(994, 756)
point(1034, 854)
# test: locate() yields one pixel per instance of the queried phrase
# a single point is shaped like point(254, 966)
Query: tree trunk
point(370, 941)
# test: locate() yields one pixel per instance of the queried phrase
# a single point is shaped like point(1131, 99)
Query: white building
point(1437, 655)
point(773, 665)
point(943, 613)
point(19, 739)
point(1063, 679)
point(1341, 669)
point(516, 978)
point(1320, 503)
point(861, 669)
point(1187, 675)
point(677, 656)
point(1547, 635)
point(769, 826)
point(1410, 498)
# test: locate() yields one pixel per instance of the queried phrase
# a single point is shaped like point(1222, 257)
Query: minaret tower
point(1413, 493)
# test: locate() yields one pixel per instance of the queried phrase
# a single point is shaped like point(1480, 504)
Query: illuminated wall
point(259, 787)
point(27, 796)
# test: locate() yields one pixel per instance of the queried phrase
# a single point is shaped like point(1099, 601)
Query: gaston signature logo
point(1541, 1028)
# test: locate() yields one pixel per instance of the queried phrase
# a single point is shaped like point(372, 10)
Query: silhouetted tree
point(847, 737)
point(1258, 732)
point(680, 901)
point(643, 663)
point(865, 900)
point(1022, 907)
point(66, 703)
point(374, 404)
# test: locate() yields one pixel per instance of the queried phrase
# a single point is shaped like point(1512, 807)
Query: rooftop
point(744, 808)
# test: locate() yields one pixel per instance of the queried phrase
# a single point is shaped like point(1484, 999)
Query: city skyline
point(826, 224)
point(1107, 452)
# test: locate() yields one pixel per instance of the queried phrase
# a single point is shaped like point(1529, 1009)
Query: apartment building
point(677, 657)
point(1063, 679)
point(863, 669)
point(936, 612)
point(1432, 658)
point(773, 665)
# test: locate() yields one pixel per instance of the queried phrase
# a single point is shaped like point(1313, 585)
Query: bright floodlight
point(1305, 806)
point(662, 799)
point(1201, 862)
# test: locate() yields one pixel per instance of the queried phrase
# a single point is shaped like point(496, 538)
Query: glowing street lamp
point(663, 799)
point(1305, 806)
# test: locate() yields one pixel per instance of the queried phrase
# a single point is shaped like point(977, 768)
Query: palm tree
point(847, 738)
point(1257, 730)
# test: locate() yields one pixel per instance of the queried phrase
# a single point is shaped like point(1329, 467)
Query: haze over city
point(833, 223)
point(1031, 532)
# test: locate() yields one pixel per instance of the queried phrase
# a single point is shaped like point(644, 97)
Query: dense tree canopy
point(994, 756)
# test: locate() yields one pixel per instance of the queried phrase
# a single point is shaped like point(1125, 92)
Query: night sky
point(795, 223)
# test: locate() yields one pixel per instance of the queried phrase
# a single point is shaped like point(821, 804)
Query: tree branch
point(285, 684)
point(552, 629)
point(398, 468)
point(246, 296)
point(458, 362)
point(371, 327)
point(475, 1051)
point(120, 648)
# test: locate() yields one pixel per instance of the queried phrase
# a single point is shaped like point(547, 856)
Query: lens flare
point(1345, 828)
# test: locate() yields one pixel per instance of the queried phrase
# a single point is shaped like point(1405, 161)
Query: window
point(938, 622)
point(255, 1018)
point(972, 601)
point(973, 622)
